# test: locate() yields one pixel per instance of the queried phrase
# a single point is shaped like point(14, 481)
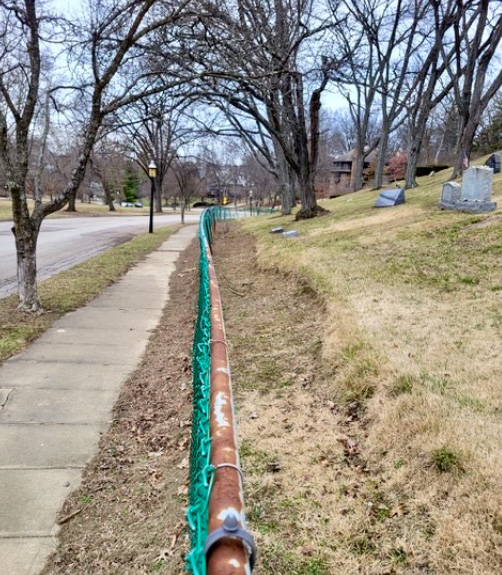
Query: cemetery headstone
point(477, 184)
point(473, 196)
point(450, 194)
point(493, 162)
point(390, 198)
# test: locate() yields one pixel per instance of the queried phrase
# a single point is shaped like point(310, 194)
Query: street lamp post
point(152, 173)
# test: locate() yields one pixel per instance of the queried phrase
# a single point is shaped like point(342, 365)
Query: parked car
point(138, 205)
point(126, 204)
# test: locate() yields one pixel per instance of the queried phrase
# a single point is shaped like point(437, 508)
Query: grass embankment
point(406, 478)
point(72, 289)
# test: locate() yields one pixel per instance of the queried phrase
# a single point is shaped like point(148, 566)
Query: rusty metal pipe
point(229, 555)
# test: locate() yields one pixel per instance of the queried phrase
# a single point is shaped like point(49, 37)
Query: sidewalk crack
point(4, 396)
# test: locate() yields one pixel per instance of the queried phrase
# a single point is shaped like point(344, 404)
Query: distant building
point(225, 181)
point(344, 171)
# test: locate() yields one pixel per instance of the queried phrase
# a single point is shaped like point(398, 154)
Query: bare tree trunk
point(309, 208)
point(287, 201)
point(306, 155)
point(358, 168)
point(109, 199)
point(418, 122)
point(27, 273)
point(286, 186)
point(440, 147)
point(71, 204)
point(464, 147)
point(414, 151)
point(26, 236)
point(411, 166)
point(382, 153)
point(285, 177)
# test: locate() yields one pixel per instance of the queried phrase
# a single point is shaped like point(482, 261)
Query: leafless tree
point(105, 44)
point(263, 153)
point(340, 130)
point(489, 136)
point(396, 31)
point(477, 37)
point(358, 82)
point(187, 175)
point(109, 163)
point(379, 49)
point(259, 63)
point(261, 181)
point(431, 86)
point(155, 128)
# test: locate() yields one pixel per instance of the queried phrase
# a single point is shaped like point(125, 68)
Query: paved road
point(67, 241)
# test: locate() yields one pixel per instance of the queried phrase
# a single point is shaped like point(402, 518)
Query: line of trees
point(145, 78)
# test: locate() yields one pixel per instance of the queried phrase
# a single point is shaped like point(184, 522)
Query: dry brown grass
point(364, 359)
point(413, 335)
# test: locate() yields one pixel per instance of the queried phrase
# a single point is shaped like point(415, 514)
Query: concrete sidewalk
point(56, 398)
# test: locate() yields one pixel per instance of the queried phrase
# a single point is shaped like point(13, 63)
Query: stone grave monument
point(474, 196)
point(450, 195)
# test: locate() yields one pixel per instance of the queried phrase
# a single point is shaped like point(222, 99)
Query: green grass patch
point(257, 461)
point(398, 556)
point(362, 545)
point(445, 460)
point(471, 403)
point(258, 516)
point(72, 289)
point(358, 368)
point(402, 384)
point(279, 559)
point(436, 383)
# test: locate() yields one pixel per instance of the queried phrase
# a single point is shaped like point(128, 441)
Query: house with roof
point(344, 171)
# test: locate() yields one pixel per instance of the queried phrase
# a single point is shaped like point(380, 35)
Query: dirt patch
point(128, 517)
point(300, 449)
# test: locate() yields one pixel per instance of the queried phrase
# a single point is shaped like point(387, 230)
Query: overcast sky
point(329, 98)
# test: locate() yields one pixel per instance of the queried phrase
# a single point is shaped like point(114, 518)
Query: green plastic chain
point(200, 450)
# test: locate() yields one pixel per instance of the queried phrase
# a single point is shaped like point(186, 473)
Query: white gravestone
point(451, 193)
point(473, 196)
point(477, 184)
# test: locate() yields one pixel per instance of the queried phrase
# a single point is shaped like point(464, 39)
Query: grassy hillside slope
point(412, 343)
